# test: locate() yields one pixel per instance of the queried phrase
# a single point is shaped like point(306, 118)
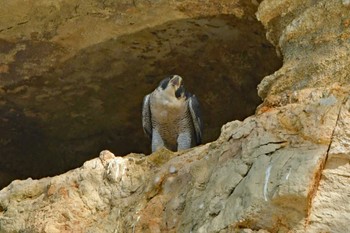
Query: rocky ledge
point(285, 169)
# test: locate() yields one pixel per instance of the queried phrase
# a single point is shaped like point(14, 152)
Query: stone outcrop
point(284, 169)
point(281, 170)
point(313, 37)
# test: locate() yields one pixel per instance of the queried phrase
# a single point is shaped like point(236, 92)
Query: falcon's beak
point(176, 81)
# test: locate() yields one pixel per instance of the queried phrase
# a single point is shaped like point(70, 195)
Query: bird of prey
point(171, 116)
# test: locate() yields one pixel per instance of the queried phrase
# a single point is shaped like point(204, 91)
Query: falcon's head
point(173, 85)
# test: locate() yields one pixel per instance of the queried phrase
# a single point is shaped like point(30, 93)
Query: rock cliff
point(284, 169)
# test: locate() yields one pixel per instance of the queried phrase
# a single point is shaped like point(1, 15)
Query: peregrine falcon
point(171, 116)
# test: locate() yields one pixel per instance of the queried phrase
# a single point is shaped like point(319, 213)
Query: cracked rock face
point(284, 169)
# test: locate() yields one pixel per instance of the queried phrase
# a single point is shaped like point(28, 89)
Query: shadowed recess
point(57, 120)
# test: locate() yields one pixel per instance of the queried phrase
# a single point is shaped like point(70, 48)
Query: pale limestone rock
point(285, 169)
point(329, 211)
point(262, 174)
point(313, 37)
point(105, 157)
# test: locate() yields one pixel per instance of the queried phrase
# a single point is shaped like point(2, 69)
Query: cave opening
point(56, 121)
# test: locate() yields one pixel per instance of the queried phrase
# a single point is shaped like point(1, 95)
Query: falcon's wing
point(146, 116)
point(196, 117)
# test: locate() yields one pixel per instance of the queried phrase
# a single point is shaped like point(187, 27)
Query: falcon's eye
point(179, 91)
point(164, 83)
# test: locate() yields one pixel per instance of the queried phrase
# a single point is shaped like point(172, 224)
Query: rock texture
point(262, 173)
point(313, 37)
point(285, 169)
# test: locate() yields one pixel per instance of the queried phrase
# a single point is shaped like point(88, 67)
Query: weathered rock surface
point(285, 169)
point(262, 173)
point(313, 37)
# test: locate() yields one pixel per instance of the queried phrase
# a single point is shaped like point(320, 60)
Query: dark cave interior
point(55, 121)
